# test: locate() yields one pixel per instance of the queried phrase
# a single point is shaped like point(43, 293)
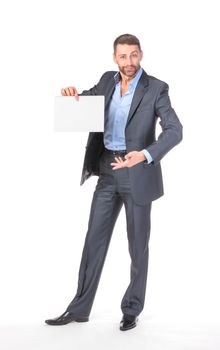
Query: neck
point(126, 80)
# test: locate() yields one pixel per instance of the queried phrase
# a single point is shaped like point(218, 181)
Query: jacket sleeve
point(96, 88)
point(171, 133)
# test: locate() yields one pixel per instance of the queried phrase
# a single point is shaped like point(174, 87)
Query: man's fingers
point(74, 92)
point(120, 163)
point(70, 91)
point(118, 159)
point(63, 92)
point(130, 159)
point(67, 90)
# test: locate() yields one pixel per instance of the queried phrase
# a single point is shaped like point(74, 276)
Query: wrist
point(143, 155)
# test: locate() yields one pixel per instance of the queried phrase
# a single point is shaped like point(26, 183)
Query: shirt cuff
point(147, 155)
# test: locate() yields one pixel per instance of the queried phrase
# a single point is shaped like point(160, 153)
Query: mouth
point(130, 68)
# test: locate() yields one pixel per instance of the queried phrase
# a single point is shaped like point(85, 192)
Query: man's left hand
point(131, 159)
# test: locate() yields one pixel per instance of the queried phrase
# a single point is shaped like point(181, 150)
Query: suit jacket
point(150, 102)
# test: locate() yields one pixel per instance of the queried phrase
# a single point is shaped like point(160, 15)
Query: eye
point(122, 57)
point(134, 55)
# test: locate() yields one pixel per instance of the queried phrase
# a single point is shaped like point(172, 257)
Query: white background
point(46, 45)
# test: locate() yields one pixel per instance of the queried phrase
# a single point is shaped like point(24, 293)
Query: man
point(126, 157)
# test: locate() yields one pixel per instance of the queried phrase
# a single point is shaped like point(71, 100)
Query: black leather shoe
point(128, 322)
point(66, 318)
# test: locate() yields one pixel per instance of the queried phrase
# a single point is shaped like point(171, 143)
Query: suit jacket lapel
point(109, 91)
point(108, 94)
point(138, 95)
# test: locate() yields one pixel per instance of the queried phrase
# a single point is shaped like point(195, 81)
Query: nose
point(128, 61)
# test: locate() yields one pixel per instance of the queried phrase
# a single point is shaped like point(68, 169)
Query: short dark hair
point(128, 39)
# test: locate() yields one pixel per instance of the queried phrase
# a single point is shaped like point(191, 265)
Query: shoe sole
point(127, 329)
point(81, 319)
point(78, 320)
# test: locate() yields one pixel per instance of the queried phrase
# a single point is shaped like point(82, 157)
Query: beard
point(129, 71)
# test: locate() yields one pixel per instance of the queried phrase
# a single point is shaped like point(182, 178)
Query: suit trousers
point(112, 191)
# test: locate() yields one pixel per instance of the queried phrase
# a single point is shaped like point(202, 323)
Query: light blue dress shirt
point(117, 115)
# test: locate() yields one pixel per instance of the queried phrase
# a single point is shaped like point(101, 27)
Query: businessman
point(126, 158)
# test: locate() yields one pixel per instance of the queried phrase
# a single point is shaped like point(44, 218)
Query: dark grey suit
point(135, 187)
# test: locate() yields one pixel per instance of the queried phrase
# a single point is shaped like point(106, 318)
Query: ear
point(142, 54)
point(114, 58)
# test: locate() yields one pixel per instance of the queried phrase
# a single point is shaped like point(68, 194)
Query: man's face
point(128, 58)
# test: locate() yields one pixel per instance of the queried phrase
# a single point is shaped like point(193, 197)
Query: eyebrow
point(124, 54)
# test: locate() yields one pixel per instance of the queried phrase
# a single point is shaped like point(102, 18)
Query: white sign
point(87, 114)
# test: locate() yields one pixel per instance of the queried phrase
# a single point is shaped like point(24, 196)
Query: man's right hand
point(70, 91)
